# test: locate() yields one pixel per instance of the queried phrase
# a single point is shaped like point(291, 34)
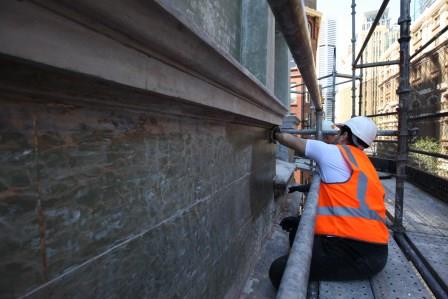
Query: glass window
point(293, 95)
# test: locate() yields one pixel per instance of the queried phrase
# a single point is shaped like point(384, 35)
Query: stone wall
point(99, 202)
point(134, 153)
point(219, 20)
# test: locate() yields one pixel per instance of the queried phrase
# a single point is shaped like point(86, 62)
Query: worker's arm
point(297, 144)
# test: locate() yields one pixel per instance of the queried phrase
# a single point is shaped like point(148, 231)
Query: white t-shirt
point(332, 166)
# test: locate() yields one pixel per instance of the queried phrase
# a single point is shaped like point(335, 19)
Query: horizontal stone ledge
point(32, 82)
point(97, 38)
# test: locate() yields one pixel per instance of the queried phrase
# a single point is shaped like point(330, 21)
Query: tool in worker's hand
point(299, 188)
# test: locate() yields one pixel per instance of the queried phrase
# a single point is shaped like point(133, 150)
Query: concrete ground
point(258, 286)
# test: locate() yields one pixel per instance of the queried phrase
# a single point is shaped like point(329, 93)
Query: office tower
point(326, 63)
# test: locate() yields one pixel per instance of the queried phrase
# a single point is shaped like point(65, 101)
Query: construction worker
point(350, 233)
point(291, 223)
point(329, 138)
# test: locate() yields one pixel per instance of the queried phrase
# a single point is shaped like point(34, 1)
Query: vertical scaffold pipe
point(360, 91)
point(404, 92)
point(291, 20)
point(333, 100)
point(319, 116)
point(353, 59)
point(295, 278)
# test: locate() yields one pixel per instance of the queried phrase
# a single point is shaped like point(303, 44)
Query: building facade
point(428, 77)
point(326, 63)
point(384, 36)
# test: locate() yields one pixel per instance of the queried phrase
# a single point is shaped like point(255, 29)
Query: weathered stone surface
point(218, 20)
point(98, 39)
point(135, 204)
point(131, 168)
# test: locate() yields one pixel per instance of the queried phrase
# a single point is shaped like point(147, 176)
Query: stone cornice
point(142, 44)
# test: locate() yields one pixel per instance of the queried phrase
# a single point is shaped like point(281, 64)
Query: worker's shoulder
point(321, 151)
point(317, 145)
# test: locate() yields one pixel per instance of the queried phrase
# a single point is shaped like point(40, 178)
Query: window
point(293, 95)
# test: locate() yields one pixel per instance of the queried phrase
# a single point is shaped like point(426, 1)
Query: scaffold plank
point(359, 289)
point(422, 212)
point(435, 251)
point(398, 279)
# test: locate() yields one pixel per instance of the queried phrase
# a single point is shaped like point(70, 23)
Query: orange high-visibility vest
point(353, 209)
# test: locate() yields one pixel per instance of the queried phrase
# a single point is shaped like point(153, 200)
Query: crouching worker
point(351, 236)
point(291, 223)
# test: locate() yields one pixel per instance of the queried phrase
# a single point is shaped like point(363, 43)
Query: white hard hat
point(363, 128)
point(328, 125)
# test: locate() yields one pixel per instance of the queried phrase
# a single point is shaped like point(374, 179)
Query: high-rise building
point(326, 62)
point(384, 36)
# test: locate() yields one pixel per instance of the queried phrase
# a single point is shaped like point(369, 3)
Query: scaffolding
point(300, 255)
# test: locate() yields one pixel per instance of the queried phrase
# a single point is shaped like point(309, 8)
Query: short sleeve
point(316, 150)
point(332, 166)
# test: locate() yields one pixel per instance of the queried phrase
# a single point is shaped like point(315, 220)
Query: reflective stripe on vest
point(363, 211)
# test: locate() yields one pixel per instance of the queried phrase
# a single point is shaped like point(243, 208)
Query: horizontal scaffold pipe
point(333, 132)
point(437, 155)
point(346, 76)
point(429, 115)
point(339, 83)
point(339, 75)
point(375, 64)
point(294, 282)
point(382, 114)
point(291, 19)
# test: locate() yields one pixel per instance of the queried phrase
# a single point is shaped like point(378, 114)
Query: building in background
point(428, 78)
point(384, 36)
point(343, 107)
point(326, 62)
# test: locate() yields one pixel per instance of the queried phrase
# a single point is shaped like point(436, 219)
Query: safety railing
point(289, 15)
point(294, 282)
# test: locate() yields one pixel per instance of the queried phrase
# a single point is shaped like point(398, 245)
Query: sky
point(341, 11)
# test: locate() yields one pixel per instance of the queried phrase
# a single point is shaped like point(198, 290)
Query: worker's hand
point(299, 188)
point(274, 130)
point(288, 223)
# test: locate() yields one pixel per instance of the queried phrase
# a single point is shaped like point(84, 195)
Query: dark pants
point(337, 259)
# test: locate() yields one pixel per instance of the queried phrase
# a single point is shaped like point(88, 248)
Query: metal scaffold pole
point(404, 92)
point(353, 59)
point(333, 100)
point(360, 92)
